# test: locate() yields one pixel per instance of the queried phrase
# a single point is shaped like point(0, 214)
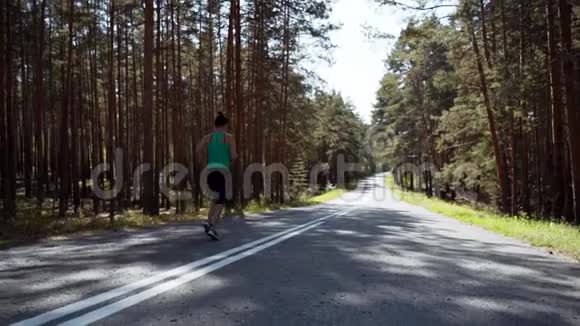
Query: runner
point(221, 150)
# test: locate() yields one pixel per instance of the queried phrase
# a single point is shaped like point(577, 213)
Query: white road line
point(115, 307)
point(182, 270)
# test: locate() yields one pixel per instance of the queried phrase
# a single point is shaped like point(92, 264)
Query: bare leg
point(218, 211)
point(214, 213)
point(210, 213)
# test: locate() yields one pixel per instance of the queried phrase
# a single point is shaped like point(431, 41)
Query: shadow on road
point(379, 265)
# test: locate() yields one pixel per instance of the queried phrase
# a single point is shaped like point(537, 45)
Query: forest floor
point(34, 223)
point(554, 237)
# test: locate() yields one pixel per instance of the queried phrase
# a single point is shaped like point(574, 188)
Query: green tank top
point(218, 152)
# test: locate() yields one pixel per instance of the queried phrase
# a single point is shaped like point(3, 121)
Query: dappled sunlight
point(378, 262)
point(487, 304)
point(290, 162)
point(497, 268)
point(79, 277)
point(352, 299)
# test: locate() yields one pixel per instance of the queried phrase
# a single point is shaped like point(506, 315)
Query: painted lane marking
point(188, 268)
point(130, 301)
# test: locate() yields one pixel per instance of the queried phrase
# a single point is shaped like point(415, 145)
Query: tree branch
point(406, 6)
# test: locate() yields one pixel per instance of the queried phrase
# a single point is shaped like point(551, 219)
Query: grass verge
point(262, 206)
point(561, 238)
point(34, 223)
point(329, 195)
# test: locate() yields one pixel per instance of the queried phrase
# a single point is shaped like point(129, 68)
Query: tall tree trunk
point(177, 96)
point(523, 94)
point(157, 126)
point(148, 200)
point(112, 103)
point(24, 124)
point(9, 176)
point(74, 109)
point(137, 145)
point(239, 104)
point(128, 122)
point(513, 158)
point(548, 150)
point(65, 182)
point(165, 117)
point(577, 100)
point(484, 37)
point(210, 57)
point(572, 112)
point(120, 113)
point(286, 44)
point(557, 189)
point(259, 96)
point(499, 161)
point(39, 104)
point(3, 128)
point(525, 187)
point(97, 155)
point(229, 91)
point(51, 114)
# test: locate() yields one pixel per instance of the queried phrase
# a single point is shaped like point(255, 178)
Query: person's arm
point(233, 150)
point(202, 144)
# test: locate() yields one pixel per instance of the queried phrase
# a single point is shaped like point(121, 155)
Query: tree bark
point(39, 103)
point(525, 187)
point(10, 158)
point(514, 181)
point(65, 182)
point(148, 200)
point(229, 91)
point(557, 188)
point(112, 104)
point(3, 128)
point(500, 166)
point(239, 104)
point(484, 37)
point(572, 115)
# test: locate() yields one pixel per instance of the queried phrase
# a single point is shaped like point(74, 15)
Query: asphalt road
point(366, 259)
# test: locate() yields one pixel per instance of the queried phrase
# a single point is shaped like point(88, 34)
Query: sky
point(358, 62)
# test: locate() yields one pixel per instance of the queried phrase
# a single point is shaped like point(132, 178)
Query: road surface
point(365, 259)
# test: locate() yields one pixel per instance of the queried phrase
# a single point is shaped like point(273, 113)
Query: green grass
point(262, 206)
point(33, 222)
point(329, 195)
point(562, 238)
point(4, 242)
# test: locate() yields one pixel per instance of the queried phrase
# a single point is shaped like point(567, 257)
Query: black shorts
point(217, 183)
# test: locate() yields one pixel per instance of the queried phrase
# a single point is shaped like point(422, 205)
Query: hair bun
point(221, 120)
